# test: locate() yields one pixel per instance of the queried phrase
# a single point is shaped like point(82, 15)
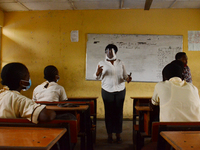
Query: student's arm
point(63, 95)
point(27, 108)
point(155, 99)
point(34, 97)
point(46, 115)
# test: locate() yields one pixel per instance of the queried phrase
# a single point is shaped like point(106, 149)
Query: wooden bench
point(157, 142)
point(64, 143)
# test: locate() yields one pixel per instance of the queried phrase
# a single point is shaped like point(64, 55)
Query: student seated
point(49, 90)
point(178, 99)
point(181, 56)
point(15, 77)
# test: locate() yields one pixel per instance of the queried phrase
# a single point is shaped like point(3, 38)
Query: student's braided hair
point(12, 73)
point(50, 72)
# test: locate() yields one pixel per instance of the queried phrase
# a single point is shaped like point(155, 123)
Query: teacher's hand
point(99, 70)
point(129, 78)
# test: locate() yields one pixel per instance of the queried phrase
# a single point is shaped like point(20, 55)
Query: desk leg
point(88, 130)
point(86, 127)
point(82, 129)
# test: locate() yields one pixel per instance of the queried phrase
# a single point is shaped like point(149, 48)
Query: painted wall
point(41, 38)
point(1, 18)
point(1, 25)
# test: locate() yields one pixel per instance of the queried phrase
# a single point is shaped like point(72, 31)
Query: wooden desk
point(80, 108)
point(142, 108)
point(182, 140)
point(29, 138)
point(141, 126)
point(82, 98)
point(85, 120)
point(139, 101)
point(93, 108)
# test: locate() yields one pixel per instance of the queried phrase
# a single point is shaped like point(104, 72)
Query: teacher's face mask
point(110, 54)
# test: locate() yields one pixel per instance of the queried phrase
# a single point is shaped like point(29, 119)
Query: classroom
point(40, 38)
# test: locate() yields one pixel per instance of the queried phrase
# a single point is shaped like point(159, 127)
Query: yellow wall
point(1, 18)
point(41, 38)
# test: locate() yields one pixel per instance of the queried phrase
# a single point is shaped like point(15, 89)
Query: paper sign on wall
point(194, 40)
point(74, 36)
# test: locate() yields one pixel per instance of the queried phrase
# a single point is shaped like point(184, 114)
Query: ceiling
point(31, 5)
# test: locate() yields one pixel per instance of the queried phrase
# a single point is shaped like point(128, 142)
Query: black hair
point(178, 62)
point(12, 74)
point(50, 72)
point(110, 46)
point(179, 55)
point(172, 70)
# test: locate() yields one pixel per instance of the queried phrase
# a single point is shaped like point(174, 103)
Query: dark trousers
point(113, 105)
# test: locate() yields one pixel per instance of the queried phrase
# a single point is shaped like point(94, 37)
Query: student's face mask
point(26, 86)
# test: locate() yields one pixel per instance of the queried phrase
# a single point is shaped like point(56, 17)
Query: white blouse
point(112, 76)
point(53, 93)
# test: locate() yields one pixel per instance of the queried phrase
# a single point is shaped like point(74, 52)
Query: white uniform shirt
point(179, 101)
point(15, 105)
point(112, 76)
point(53, 93)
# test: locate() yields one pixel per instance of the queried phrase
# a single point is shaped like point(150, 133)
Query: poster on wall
point(194, 40)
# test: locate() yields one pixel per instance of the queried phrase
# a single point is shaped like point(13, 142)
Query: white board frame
point(143, 55)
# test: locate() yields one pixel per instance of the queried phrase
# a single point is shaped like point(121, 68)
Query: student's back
point(49, 90)
point(178, 100)
point(53, 93)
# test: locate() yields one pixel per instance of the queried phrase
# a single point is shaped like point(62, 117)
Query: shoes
point(119, 140)
point(110, 140)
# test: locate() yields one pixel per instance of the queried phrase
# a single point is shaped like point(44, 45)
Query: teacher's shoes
point(118, 139)
point(110, 139)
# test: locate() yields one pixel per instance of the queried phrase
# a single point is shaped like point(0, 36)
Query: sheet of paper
point(74, 36)
point(194, 40)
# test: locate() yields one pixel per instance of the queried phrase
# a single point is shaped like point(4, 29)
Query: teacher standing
point(113, 75)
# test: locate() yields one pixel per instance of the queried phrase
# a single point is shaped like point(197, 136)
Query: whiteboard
point(143, 55)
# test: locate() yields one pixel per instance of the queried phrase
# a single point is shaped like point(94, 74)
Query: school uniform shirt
point(112, 76)
point(15, 105)
point(178, 100)
point(53, 92)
